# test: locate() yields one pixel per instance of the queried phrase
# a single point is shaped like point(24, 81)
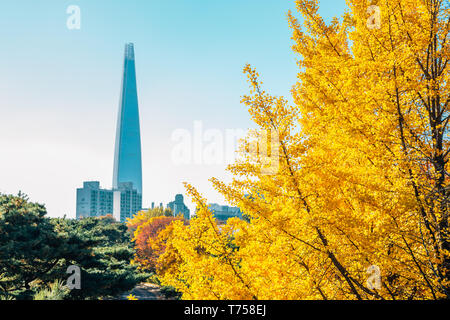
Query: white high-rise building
point(92, 201)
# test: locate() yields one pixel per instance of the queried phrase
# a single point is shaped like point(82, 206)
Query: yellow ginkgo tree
point(357, 206)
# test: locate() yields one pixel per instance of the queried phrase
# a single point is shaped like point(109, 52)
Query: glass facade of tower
point(127, 156)
point(125, 198)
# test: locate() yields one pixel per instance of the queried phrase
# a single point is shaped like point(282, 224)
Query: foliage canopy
point(363, 169)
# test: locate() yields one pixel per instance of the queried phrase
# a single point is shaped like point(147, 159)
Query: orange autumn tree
point(149, 246)
point(357, 207)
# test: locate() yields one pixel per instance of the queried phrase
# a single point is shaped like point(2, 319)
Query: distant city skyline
point(59, 87)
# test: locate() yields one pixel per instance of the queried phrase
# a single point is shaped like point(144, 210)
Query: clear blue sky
point(59, 88)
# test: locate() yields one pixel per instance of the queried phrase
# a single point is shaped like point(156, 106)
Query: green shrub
point(56, 291)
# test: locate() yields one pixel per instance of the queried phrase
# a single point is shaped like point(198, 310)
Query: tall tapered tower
point(127, 157)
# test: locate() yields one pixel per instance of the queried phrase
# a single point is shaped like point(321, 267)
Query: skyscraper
point(127, 156)
point(125, 198)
